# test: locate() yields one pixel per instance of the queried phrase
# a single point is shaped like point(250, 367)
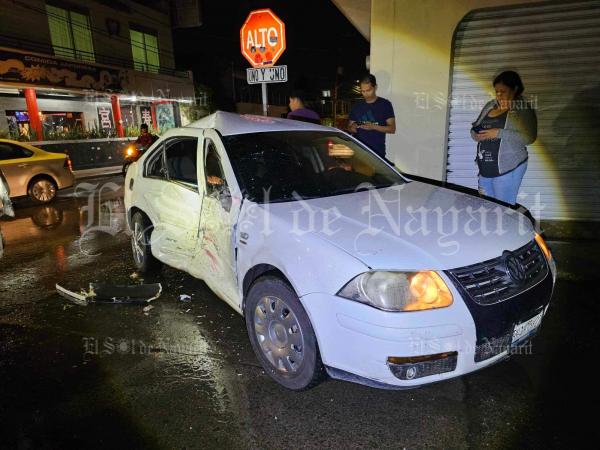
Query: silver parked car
point(34, 172)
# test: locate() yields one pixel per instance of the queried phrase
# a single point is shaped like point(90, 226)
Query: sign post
point(265, 99)
point(262, 41)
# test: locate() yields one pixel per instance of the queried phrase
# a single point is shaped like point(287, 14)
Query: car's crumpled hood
point(415, 226)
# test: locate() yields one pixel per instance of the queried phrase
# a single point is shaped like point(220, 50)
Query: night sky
point(319, 39)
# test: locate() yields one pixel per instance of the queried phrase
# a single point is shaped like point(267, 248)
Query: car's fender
point(309, 263)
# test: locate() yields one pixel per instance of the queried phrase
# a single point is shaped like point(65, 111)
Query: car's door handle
point(22, 165)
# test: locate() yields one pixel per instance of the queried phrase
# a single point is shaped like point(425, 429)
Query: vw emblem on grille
point(514, 268)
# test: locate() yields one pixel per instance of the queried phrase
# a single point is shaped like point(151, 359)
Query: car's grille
point(492, 281)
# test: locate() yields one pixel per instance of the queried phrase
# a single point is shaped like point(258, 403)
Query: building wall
point(148, 17)
point(26, 19)
point(411, 45)
point(161, 86)
point(19, 19)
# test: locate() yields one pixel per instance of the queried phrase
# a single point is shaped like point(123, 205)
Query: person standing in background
point(372, 118)
point(298, 110)
point(502, 131)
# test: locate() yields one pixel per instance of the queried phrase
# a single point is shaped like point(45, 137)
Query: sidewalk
point(88, 173)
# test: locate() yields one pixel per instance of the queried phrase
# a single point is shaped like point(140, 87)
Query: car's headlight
point(543, 246)
point(399, 291)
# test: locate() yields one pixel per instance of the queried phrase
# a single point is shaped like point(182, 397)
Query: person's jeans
point(505, 187)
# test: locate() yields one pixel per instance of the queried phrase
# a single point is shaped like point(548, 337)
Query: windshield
point(288, 165)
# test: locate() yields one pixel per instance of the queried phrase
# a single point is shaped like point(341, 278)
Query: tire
point(42, 190)
point(141, 230)
point(281, 334)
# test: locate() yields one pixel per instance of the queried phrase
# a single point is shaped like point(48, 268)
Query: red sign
point(262, 38)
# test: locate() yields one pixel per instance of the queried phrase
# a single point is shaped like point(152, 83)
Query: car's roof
point(229, 124)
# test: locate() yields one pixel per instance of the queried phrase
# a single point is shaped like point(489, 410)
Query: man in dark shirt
point(372, 118)
point(145, 139)
point(298, 111)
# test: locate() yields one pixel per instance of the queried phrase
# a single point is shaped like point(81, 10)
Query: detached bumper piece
point(107, 293)
point(410, 368)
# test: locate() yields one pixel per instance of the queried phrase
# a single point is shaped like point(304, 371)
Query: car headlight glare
point(399, 291)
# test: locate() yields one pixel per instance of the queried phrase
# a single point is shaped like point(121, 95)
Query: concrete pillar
point(153, 111)
point(35, 122)
point(116, 107)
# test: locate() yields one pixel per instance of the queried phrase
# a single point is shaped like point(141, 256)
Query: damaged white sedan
point(339, 264)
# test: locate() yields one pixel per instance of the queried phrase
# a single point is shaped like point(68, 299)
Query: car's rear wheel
point(281, 334)
point(42, 190)
point(140, 244)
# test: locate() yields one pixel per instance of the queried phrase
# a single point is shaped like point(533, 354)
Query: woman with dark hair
point(502, 131)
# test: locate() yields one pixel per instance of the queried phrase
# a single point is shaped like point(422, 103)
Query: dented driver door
point(215, 260)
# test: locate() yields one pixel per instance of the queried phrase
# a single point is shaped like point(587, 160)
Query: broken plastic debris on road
point(115, 294)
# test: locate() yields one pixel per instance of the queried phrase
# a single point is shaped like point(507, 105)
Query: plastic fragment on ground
point(108, 293)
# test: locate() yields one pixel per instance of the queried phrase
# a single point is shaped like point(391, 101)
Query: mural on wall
point(164, 116)
point(37, 70)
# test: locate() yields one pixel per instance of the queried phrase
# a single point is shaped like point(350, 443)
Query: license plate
point(526, 328)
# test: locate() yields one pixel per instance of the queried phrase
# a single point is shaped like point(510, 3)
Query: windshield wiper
point(361, 188)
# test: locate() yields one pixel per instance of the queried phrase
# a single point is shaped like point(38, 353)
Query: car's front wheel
point(42, 190)
point(140, 244)
point(281, 334)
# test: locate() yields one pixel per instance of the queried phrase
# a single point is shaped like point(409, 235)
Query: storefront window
point(18, 123)
point(61, 122)
point(54, 123)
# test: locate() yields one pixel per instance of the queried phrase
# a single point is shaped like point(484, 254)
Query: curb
point(89, 173)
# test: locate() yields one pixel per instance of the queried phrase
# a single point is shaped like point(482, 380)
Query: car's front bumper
point(356, 340)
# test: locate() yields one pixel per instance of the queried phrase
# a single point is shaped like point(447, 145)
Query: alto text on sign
point(262, 38)
point(275, 74)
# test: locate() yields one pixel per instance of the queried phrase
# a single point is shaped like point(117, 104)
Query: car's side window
point(156, 165)
point(213, 169)
point(180, 156)
point(11, 151)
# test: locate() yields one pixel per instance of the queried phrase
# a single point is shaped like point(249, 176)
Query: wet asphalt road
point(184, 375)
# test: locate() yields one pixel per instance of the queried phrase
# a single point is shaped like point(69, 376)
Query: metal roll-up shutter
point(555, 47)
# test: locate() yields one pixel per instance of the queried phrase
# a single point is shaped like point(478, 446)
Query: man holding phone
point(372, 118)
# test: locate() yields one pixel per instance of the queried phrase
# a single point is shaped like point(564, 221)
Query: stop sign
point(262, 38)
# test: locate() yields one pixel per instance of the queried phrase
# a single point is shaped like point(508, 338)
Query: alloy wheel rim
point(279, 334)
point(43, 190)
point(137, 242)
